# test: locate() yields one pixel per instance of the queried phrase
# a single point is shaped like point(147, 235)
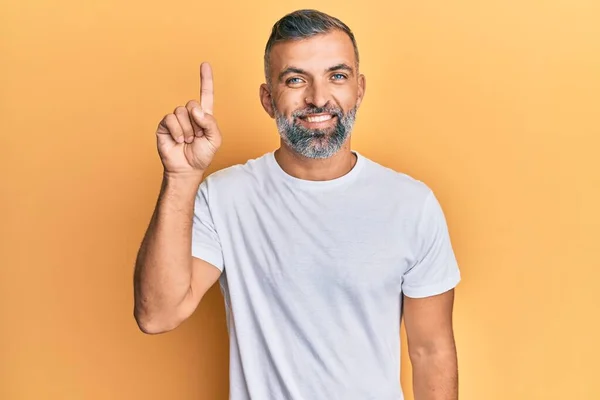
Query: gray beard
point(315, 143)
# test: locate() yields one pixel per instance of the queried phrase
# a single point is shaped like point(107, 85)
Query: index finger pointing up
point(206, 88)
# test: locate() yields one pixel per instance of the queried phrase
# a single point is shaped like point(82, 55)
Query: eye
point(293, 81)
point(339, 76)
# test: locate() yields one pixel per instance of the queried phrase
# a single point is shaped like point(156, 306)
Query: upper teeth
point(319, 118)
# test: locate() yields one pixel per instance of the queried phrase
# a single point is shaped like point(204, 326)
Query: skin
point(302, 77)
point(319, 72)
point(168, 282)
point(431, 346)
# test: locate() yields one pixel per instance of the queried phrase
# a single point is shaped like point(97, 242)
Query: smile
point(319, 118)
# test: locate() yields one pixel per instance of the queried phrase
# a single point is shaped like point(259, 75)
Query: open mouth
point(317, 118)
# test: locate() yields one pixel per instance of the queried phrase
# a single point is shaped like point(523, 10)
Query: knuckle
point(168, 120)
point(180, 110)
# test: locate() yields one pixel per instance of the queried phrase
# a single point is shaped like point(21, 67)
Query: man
point(319, 251)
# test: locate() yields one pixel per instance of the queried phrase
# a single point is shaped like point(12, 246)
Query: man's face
point(315, 92)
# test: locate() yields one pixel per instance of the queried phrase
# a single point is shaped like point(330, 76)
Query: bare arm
point(168, 282)
point(431, 346)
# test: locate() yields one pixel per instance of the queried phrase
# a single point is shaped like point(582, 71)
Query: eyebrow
point(295, 70)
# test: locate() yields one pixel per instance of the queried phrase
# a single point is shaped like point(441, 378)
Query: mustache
point(318, 110)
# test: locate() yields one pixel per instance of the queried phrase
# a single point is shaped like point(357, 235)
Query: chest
point(319, 244)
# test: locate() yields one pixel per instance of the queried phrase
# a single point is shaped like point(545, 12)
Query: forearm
point(435, 375)
point(163, 268)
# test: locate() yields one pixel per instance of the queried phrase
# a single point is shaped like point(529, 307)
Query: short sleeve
point(205, 240)
point(435, 270)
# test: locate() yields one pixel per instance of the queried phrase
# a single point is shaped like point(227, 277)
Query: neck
point(311, 169)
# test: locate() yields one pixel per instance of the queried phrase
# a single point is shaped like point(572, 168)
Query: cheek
point(288, 102)
point(346, 97)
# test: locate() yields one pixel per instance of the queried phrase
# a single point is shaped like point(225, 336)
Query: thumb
point(206, 122)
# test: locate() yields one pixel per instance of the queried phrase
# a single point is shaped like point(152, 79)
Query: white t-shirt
point(314, 273)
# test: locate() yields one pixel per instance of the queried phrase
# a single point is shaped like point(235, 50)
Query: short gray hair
point(302, 24)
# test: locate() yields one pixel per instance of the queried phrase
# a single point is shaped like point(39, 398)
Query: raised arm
point(168, 282)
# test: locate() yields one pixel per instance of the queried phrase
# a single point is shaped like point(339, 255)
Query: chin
point(321, 148)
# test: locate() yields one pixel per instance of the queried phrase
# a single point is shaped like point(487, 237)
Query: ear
point(266, 99)
point(362, 87)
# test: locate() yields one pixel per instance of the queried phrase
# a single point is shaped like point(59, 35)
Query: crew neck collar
point(344, 179)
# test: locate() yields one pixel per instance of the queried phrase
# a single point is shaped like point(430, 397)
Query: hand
point(189, 138)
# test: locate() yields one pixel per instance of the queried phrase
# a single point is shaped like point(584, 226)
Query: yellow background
point(494, 104)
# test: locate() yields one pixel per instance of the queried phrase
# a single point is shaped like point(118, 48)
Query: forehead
point(313, 53)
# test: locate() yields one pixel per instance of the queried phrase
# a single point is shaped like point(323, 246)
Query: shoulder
point(235, 180)
point(418, 201)
point(389, 183)
point(250, 170)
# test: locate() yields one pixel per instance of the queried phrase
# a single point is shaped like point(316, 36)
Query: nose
point(317, 95)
